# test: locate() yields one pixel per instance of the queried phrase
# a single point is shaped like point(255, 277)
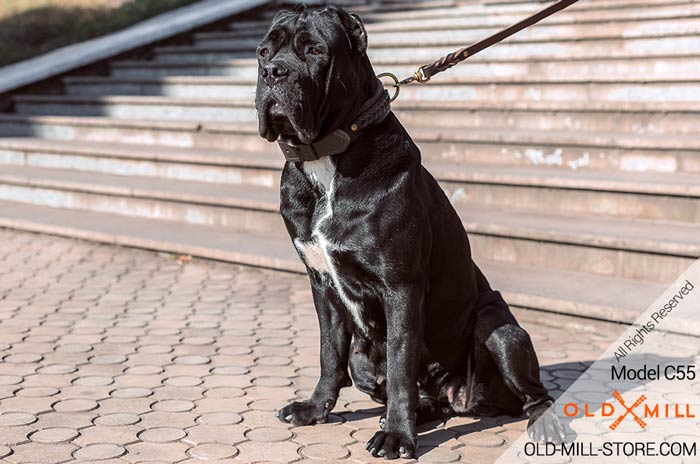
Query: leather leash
point(427, 71)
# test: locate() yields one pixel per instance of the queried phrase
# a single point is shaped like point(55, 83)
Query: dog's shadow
point(433, 434)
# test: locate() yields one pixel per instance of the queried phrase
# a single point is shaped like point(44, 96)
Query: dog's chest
point(318, 251)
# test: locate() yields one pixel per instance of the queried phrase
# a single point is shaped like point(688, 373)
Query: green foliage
point(30, 28)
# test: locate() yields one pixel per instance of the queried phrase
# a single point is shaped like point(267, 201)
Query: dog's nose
point(274, 71)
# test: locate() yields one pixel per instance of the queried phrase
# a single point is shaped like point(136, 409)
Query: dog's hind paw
point(303, 413)
point(544, 426)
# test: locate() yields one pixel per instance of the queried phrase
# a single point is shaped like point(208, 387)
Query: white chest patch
point(321, 172)
point(317, 251)
point(314, 255)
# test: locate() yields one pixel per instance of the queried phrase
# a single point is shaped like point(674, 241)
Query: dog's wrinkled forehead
point(299, 28)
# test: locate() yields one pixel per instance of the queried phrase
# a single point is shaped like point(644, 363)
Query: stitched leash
point(425, 72)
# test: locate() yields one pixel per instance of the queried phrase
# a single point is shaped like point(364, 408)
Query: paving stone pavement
point(117, 355)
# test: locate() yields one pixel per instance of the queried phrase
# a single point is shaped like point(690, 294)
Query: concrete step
point(561, 149)
point(481, 12)
point(524, 8)
point(661, 31)
point(141, 107)
point(633, 195)
point(615, 299)
point(371, 14)
point(198, 165)
point(591, 17)
point(580, 89)
point(568, 150)
point(576, 16)
point(389, 6)
point(534, 49)
point(631, 118)
point(238, 207)
point(602, 30)
point(601, 67)
point(178, 87)
point(645, 250)
point(668, 45)
point(261, 249)
point(642, 250)
point(670, 118)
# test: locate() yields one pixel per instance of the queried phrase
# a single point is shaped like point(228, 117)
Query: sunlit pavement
point(120, 355)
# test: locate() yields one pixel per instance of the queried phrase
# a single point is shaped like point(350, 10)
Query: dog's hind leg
point(511, 349)
point(429, 409)
point(368, 371)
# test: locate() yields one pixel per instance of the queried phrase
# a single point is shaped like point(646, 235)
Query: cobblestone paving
point(118, 355)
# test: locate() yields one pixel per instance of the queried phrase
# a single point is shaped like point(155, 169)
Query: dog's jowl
point(403, 310)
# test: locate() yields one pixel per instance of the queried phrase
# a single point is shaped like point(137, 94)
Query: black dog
point(399, 299)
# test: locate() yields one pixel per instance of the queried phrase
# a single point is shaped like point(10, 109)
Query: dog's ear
point(355, 30)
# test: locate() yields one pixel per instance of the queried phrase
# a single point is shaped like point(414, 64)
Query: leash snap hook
point(396, 84)
point(419, 75)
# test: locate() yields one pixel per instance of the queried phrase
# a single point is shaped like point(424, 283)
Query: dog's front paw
point(392, 445)
point(544, 426)
point(303, 413)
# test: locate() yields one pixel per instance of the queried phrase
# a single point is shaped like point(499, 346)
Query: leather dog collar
point(373, 111)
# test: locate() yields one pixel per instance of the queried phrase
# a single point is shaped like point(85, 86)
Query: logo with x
point(629, 410)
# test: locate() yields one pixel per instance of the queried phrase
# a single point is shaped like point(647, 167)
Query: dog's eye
point(313, 51)
point(264, 52)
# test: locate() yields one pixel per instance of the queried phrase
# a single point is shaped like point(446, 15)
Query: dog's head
point(313, 74)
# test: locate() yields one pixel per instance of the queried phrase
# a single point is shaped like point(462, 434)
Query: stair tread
point(444, 80)
point(101, 121)
point(488, 9)
point(571, 18)
point(451, 105)
point(679, 184)
point(147, 152)
point(477, 59)
point(569, 292)
point(607, 232)
point(259, 248)
point(240, 45)
point(250, 51)
point(567, 18)
point(428, 27)
point(496, 8)
point(558, 137)
point(689, 142)
point(218, 194)
point(673, 238)
point(582, 294)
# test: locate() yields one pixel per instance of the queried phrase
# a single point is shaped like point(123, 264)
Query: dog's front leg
point(404, 335)
point(335, 348)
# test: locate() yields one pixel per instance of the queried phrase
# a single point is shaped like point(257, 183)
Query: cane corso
point(400, 303)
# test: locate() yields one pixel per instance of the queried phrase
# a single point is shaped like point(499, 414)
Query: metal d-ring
point(396, 84)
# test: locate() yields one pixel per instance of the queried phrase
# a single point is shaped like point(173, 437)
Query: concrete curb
point(152, 30)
